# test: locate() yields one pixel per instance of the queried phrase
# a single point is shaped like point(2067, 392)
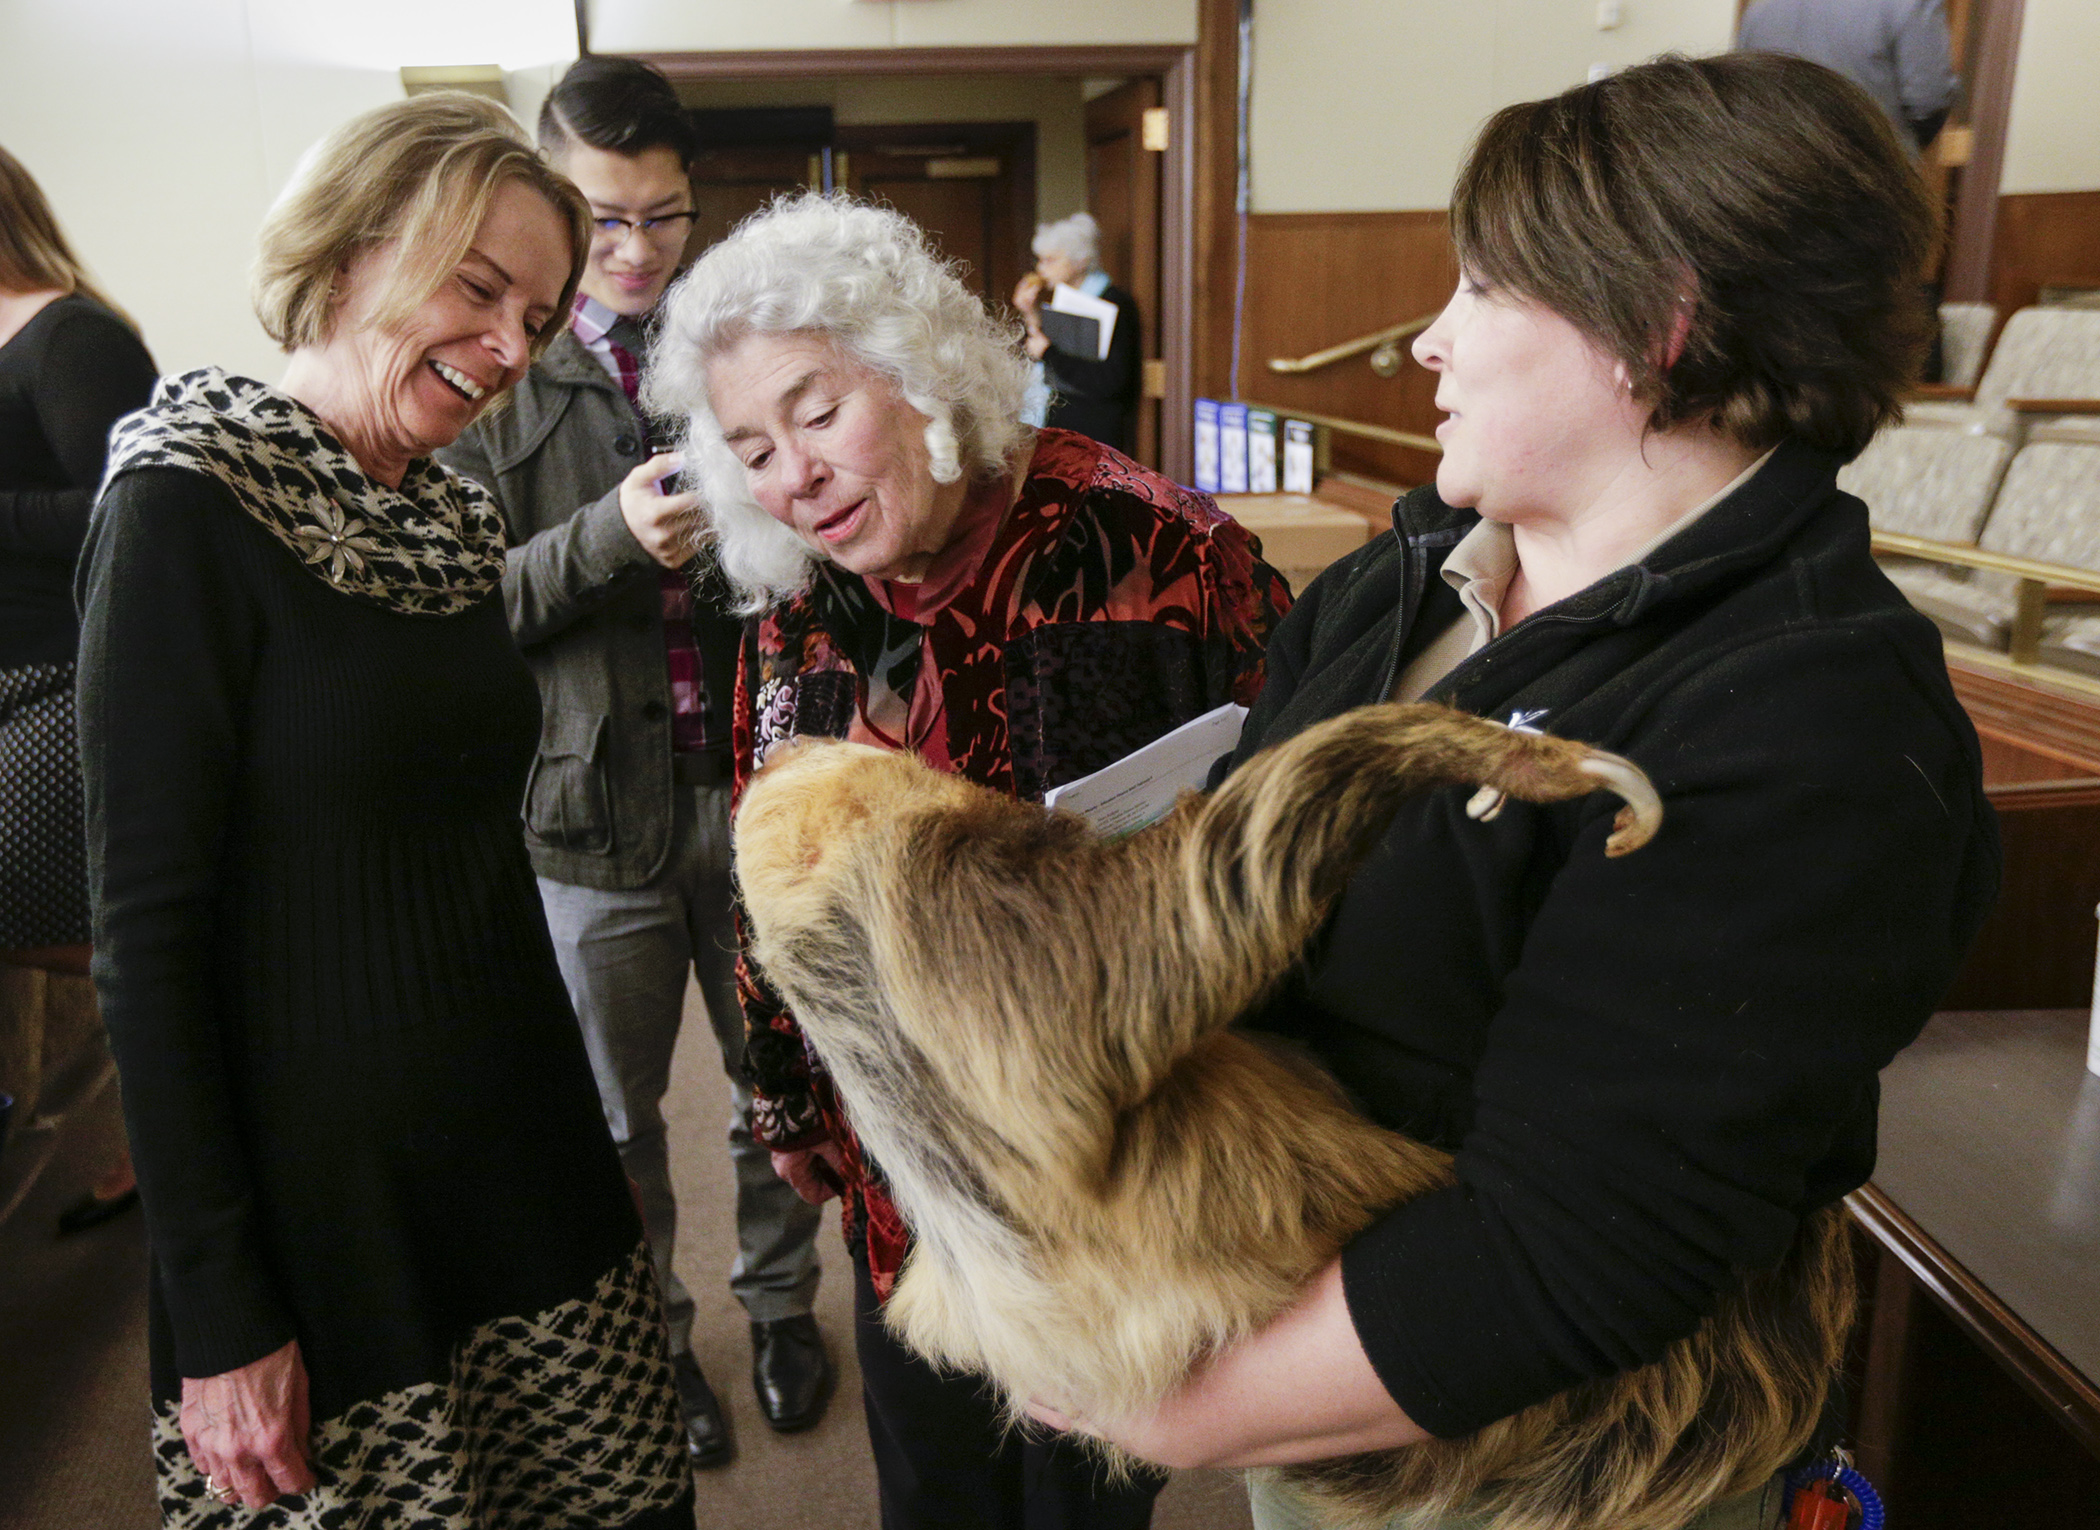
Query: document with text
point(1141, 788)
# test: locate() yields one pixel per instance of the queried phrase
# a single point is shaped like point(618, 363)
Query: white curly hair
point(867, 280)
point(1077, 238)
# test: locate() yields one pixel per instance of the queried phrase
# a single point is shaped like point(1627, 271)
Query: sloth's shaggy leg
point(1267, 854)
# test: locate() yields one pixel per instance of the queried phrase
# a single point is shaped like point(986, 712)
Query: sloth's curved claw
point(1636, 822)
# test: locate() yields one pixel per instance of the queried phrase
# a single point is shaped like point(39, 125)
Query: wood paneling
point(1316, 279)
point(2035, 951)
point(2044, 237)
point(2041, 720)
point(2041, 755)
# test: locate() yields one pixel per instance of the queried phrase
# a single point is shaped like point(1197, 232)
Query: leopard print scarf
point(434, 547)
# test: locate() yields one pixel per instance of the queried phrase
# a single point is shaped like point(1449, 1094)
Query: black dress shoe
point(707, 1441)
point(92, 1211)
point(791, 1371)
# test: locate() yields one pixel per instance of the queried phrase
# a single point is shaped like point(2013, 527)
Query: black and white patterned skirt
point(43, 837)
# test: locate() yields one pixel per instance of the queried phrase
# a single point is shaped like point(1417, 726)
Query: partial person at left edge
point(627, 808)
point(395, 1273)
point(71, 365)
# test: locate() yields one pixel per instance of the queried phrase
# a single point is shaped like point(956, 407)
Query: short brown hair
point(1768, 190)
point(421, 173)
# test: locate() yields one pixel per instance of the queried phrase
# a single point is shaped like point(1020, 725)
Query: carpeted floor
point(73, 1357)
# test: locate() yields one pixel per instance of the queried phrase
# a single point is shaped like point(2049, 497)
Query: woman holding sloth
point(1688, 295)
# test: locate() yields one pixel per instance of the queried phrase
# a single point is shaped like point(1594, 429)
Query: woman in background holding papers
point(1019, 607)
point(1092, 389)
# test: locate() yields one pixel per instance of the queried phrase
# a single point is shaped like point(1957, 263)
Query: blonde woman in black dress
point(396, 1275)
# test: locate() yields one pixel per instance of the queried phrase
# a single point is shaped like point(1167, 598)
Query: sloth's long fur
point(1028, 1025)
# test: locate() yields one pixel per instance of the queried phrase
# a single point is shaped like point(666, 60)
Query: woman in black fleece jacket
point(1687, 298)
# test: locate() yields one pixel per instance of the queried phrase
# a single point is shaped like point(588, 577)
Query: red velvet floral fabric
point(1109, 607)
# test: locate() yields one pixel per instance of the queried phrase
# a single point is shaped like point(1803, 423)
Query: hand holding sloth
point(1108, 1186)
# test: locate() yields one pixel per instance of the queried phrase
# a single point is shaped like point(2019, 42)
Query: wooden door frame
point(1119, 115)
point(1190, 211)
point(1973, 240)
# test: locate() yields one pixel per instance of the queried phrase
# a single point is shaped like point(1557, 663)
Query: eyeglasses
point(663, 228)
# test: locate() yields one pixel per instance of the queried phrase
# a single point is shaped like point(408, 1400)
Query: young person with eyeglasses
point(626, 811)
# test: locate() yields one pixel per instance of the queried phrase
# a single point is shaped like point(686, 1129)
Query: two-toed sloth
point(1029, 1027)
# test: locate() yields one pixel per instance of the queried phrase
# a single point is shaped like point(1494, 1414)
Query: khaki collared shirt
point(1480, 568)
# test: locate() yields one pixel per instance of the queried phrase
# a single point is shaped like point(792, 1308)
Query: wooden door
point(731, 184)
point(971, 185)
point(1123, 194)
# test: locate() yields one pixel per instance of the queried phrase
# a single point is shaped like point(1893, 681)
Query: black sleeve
point(1926, 128)
point(1113, 378)
point(1689, 1031)
point(92, 373)
point(170, 626)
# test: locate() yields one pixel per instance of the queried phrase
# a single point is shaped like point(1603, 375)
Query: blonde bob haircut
point(866, 280)
point(418, 174)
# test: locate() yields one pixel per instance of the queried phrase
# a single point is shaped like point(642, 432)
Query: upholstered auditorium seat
point(2042, 353)
point(2047, 508)
point(1965, 336)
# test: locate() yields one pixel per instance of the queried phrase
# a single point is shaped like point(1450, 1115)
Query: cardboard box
point(1299, 535)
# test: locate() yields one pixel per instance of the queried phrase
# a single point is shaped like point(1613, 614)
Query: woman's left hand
point(1300, 1390)
point(247, 1429)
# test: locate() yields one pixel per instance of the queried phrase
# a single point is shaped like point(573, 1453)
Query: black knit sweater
point(1649, 1068)
point(357, 1099)
point(67, 375)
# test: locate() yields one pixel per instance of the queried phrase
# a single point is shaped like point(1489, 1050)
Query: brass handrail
point(1356, 347)
point(1354, 427)
point(2059, 574)
point(2035, 578)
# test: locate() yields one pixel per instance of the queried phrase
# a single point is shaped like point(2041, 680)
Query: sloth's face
point(808, 807)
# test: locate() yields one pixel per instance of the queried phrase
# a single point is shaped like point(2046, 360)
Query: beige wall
point(1369, 104)
point(2053, 139)
point(162, 129)
point(641, 26)
point(1056, 106)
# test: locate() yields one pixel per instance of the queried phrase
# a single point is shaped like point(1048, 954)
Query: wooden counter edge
point(2029, 1358)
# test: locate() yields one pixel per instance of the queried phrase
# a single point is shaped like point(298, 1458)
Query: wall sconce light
point(479, 79)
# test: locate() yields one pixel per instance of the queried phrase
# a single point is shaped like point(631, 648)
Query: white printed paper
point(1141, 788)
point(1071, 300)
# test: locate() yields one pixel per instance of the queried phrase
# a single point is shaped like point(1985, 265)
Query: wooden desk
point(1986, 1199)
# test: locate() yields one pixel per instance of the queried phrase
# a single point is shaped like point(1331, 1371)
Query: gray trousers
point(1276, 1507)
point(625, 956)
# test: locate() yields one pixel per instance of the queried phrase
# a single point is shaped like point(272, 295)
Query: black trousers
point(944, 1461)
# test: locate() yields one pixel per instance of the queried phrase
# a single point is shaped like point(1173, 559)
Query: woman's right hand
point(247, 1429)
point(816, 1173)
point(662, 523)
point(1028, 294)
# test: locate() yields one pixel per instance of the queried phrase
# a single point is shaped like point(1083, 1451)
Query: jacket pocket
point(567, 803)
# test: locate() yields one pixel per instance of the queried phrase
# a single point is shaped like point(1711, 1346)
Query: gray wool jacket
point(586, 609)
